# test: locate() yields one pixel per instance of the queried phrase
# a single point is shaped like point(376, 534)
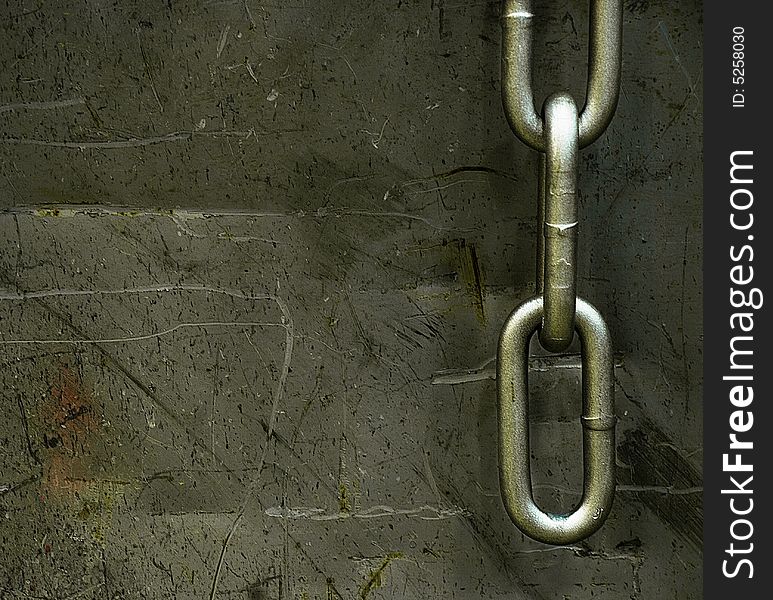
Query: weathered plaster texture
point(254, 259)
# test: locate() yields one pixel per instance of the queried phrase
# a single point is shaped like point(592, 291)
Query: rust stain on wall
point(70, 420)
point(72, 431)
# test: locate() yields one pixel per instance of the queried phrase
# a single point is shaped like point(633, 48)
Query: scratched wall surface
point(254, 259)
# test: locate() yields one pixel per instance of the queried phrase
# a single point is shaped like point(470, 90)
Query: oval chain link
point(556, 311)
point(559, 229)
point(598, 421)
point(603, 86)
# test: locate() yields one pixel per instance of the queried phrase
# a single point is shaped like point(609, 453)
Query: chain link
point(556, 311)
point(603, 87)
point(598, 420)
point(559, 229)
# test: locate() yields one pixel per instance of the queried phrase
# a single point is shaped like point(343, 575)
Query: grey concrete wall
point(254, 260)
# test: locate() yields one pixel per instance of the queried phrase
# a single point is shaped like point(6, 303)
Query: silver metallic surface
point(558, 135)
point(603, 83)
point(559, 229)
point(598, 421)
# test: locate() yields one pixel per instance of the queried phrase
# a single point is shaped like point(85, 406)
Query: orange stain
point(70, 419)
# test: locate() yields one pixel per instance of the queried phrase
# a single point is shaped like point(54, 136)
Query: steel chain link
point(556, 311)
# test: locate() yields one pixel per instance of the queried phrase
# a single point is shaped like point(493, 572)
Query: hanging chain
point(603, 72)
point(558, 223)
point(556, 311)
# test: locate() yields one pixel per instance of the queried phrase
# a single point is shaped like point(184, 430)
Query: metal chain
point(559, 224)
point(556, 311)
point(604, 61)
